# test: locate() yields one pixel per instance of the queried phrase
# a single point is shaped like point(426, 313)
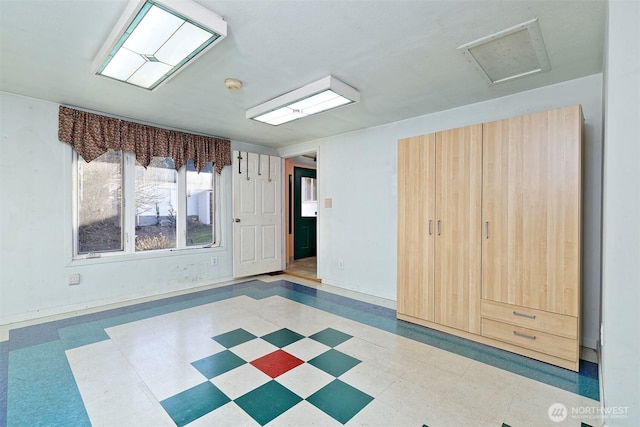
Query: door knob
point(236, 220)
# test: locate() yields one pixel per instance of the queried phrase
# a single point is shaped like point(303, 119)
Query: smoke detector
point(232, 84)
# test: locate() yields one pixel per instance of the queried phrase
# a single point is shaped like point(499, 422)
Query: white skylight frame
point(536, 41)
point(197, 20)
point(325, 94)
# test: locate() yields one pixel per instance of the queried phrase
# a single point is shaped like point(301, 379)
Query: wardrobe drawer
point(553, 345)
point(552, 323)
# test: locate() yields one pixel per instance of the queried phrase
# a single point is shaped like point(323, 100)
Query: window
point(169, 209)
point(99, 190)
point(155, 190)
point(309, 197)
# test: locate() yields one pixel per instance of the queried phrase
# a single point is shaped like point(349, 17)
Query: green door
point(305, 211)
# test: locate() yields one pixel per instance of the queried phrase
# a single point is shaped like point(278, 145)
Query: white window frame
point(129, 213)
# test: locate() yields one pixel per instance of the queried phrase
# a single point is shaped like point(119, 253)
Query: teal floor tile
point(267, 402)
point(110, 322)
point(340, 400)
point(83, 334)
point(152, 312)
point(334, 362)
point(42, 390)
point(193, 403)
point(233, 338)
point(330, 337)
point(218, 363)
point(283, 337)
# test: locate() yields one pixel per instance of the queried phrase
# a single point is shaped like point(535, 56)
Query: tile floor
point(278, 354)
point(306, 268)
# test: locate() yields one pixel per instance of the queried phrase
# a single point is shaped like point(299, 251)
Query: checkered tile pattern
point(266, 376)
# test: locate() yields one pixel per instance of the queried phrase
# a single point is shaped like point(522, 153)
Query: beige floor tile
point(379, 414)
point(241, 380)
point(227, 415)
point(369, 378)
point(304, 414)
point(305, 380)
point(411, 399)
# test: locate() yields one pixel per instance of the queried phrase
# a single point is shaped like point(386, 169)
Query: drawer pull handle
point(531, 337)
point(528, 316)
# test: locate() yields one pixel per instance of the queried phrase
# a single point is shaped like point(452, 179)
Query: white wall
point(621, 250)
point(35, 229)
point(358, 172)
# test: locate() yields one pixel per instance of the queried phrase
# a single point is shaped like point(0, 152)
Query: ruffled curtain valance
point(91, 135)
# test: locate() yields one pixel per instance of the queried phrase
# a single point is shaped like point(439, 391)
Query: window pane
point(200, 205)
point(100, 203)
point(155, 189)
point(309, 198)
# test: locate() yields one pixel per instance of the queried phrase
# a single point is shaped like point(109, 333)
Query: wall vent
point(509, 54)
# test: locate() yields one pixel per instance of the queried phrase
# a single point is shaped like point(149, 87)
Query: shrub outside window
point(99, 204)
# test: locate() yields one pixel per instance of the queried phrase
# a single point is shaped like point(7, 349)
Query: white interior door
point(257, 214)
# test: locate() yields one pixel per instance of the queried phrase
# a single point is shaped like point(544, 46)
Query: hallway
point(307, 268)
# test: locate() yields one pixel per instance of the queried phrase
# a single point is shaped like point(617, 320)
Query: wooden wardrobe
point(489, 229)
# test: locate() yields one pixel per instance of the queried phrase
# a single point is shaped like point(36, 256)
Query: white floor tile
point(379, 414)
point(227, 415)
point(411, 399)
point(448, 361)
point(306, 349)
point(170, 379)
point(251, 350)
point(304, 380)
point(369, 379)
point(240, 380)
point(303, 414)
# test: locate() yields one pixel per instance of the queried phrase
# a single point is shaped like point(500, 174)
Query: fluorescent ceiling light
point(153, 40)
point(325, 94)
point(509, 54)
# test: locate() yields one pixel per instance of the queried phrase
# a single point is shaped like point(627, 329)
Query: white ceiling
point(400, 55)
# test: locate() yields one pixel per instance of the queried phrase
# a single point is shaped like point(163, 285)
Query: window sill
point(116, 257)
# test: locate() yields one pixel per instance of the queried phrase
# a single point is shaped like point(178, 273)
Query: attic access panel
point(509, 54)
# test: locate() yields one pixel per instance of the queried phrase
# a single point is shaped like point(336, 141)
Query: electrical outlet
point(341, 264)
point(214, 260)
point(74, 279)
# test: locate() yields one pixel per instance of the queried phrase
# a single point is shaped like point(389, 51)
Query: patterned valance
point(91, 135)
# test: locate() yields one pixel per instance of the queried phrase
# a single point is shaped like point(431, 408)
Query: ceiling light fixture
point(153, 40)
point(509, 54)
point(325, 94)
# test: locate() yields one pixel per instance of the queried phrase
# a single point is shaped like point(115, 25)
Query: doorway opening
point(301, 207)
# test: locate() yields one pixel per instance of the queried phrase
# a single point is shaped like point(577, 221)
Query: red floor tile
point(276, 363)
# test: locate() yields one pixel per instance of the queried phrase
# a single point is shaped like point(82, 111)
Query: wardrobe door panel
point(531, 208)
point(458, 228)
point(416, 211)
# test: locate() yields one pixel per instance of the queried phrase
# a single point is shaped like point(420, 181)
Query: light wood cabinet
point(531, 205)
point(458, 221)
point(501, 261)
point(439, 195)
point(416, 238)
